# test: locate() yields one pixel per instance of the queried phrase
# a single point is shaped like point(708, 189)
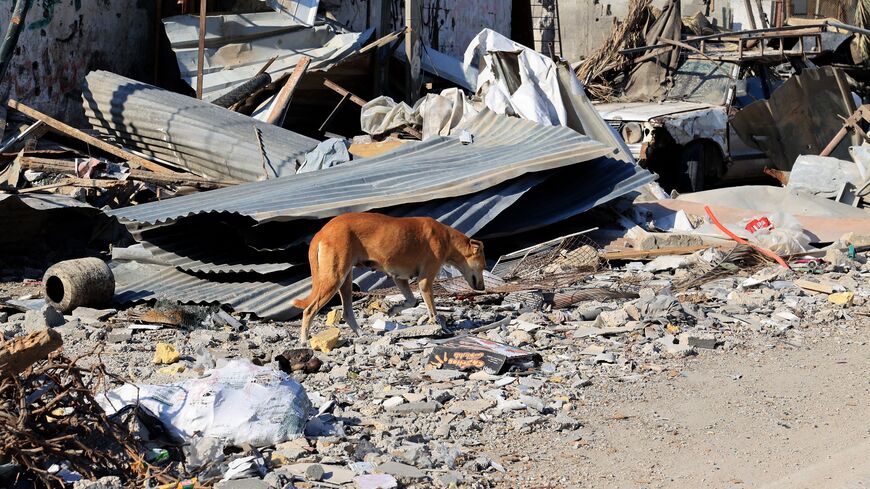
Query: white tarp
point(538, 97)
point(238, 403)
point(437, 114)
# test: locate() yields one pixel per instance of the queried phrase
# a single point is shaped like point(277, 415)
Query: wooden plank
point(814, 286)
point(629, 254)
point(20, 353)
point(62, 166)
point(345, 94)
point(200, 52)
point(282, 101)
point(87, 138)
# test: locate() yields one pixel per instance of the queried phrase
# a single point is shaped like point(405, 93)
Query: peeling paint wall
point(448, 25)
point(63, 40)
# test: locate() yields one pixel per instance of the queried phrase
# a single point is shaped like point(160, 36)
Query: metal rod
point(200, 53)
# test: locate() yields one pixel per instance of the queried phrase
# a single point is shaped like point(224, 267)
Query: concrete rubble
point(622, 251)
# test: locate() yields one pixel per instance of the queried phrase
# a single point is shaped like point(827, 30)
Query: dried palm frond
point(862, 19)
point(599, 69)
point(741, 257)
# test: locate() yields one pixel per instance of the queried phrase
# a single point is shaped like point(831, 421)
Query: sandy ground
point(797, 417)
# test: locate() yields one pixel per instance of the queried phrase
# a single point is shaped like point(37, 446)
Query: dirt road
point(772, 415)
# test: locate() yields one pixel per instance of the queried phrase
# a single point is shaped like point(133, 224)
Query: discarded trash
point(238, 403)
point(165, 354)
point(83, 282)
point(473, 353)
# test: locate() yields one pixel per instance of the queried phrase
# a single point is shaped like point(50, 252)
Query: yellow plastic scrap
point(672, 329)
point(326, 340)
point(334, 317)
point(841, 298)
point(165, 354)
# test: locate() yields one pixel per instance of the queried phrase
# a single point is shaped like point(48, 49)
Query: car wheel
point(693, 166)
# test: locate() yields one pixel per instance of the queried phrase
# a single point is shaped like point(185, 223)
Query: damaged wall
point(448, 25)
point(63, 40)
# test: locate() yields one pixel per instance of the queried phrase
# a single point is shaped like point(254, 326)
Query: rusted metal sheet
point(800, 117)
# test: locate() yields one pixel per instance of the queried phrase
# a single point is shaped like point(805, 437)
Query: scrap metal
point(200, 137)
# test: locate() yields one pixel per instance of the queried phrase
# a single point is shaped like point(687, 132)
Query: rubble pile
point(684, 191)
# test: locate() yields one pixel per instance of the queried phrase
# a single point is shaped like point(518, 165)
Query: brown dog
point(402, 248)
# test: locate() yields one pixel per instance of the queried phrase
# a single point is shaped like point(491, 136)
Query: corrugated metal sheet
point(195, 135)
point(137, 282)
point(238, 45)
point(504, 148)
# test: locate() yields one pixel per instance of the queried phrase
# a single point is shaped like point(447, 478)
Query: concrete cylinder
point(82, 282)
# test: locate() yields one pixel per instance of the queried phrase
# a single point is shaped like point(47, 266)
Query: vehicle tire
point(692, 169)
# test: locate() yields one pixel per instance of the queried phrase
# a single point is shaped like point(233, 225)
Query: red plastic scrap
point(742, 241)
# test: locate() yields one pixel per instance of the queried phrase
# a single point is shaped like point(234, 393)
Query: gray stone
point(314, 472)
point(44, 318)
point(277, 480)
point(563, 422)
point(110, 482)
point(698, 340)
point(249, 483)
point(415, 407)
point(449, 479)
point(91, 315)
point(72, 331)
point(444, 375)
point(471, 408)
point(534, 403)
point(119, 336)
point(400, 470)
point(4, 316)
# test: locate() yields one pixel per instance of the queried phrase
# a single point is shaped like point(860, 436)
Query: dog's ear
point(476, 246)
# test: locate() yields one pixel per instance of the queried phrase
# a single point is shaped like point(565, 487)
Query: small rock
point(520, 337)
point(109, 482)
point(606, 357)
point(400, 470)
point(314, 472)
point(173, 369)
point(698, 340)
point(443, 375)
point(91, 315)
point(4, 316)
point(119, 336)
point(376, 481)
point(327, 340)
point(249, 483)
point(471, 408)
point(393, 402)
point(165, 354)
point(45, 317)
point(415, 407)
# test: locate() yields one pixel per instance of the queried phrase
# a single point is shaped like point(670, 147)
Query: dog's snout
point(478, 284)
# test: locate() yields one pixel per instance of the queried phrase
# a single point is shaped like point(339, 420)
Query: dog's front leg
point(426, 292)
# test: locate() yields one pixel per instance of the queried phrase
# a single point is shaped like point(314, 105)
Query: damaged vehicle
point(687, 138)
point(700, 135)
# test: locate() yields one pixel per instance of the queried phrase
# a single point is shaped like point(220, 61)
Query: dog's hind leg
point(346, 294)
point(405, 288)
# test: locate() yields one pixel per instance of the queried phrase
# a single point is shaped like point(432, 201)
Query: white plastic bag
point(239, 403)
point(778, 232)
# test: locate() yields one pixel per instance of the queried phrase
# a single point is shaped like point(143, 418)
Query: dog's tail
point(313, 262)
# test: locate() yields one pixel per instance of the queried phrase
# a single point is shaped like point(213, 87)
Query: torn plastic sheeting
point(514, 79)
point(823, 175)
point(327, 154)
point(436, 114)
point(238, 403)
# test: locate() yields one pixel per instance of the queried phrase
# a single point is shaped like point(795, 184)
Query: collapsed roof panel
point(189, 133)
point(239, 45)
point(503, 148)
